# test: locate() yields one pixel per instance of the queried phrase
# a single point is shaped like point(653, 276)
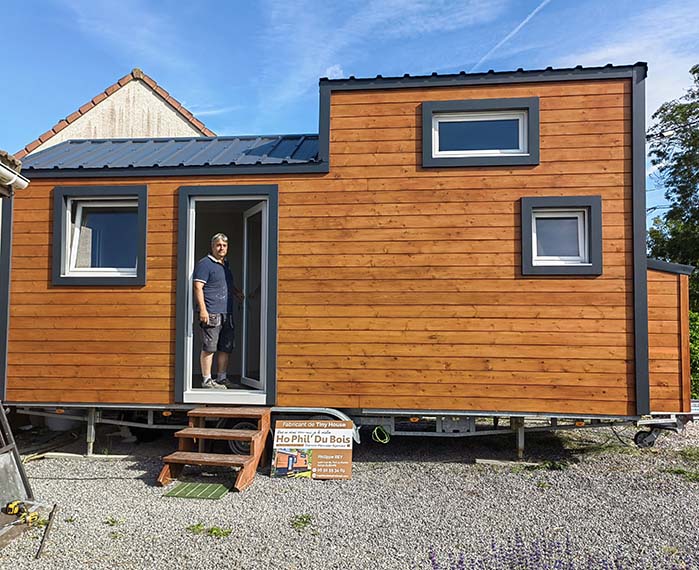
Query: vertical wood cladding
point(668, 340)
point(399, 287)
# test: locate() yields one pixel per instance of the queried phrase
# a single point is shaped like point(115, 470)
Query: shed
point(468, 242)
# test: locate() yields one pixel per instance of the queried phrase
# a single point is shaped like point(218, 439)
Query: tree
point(674, 150)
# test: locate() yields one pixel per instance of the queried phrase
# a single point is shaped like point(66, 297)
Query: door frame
point(262, 209)
point(5, 267)
point(183, 301)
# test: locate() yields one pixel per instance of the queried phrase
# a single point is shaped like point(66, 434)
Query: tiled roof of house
point(176, 152)
point(136, 74)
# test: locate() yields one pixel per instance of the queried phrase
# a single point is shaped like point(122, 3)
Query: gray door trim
point(270, 192)
point(5, 267)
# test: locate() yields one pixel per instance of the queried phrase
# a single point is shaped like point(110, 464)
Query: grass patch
point(218, 532)
point(690, 453)
point(111, 521)
point(213, 531)
point(692, 476)
point(300, 522)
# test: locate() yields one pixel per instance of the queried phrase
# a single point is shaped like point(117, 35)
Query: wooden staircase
point(193, 443)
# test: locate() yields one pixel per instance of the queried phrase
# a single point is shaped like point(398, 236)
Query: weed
point(111, 521)
point(69, 520)
point(690, 453)
point(300, 522)
point(41, 523)
point(543, 485)
point(196, 528)
point(218, 532)
point(672, 550)
point(692, 476)
point(114, 535)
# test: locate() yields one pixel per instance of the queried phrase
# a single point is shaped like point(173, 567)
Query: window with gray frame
point(100, 235)
point(482, 132)
point(562, 235)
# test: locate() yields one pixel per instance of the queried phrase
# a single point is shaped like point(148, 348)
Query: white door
point(254, 335)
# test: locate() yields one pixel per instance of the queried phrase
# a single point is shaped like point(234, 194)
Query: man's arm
point(199, 298)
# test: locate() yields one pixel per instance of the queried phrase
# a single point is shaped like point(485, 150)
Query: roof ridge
point(135, 74)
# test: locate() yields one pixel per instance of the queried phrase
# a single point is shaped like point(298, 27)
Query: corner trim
point(60, 194)
point(667, 267)
point(640, 264)
point(5, 269)
point(270, 192)
point(528, 104)
point(593, 203)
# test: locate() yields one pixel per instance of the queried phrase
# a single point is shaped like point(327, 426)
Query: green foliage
point(692, 476)
point(111, 521)
point(694, 351)
point(69, 520)
point(690, 453)
point(196, 528)
point(674, 150)
point(213, 531)
point(300, 522)
point(218, 532)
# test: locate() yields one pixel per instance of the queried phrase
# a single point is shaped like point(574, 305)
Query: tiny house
point(467, 243)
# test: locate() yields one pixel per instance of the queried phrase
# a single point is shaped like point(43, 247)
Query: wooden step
point(212, 459)
point(229, 412)
point(218, 433)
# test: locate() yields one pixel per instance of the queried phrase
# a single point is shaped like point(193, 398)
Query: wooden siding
point(399, 287)
point(668, 340)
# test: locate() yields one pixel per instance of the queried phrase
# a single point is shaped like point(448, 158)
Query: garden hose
point(380, 435)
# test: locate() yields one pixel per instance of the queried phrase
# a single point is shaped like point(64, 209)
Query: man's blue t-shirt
point(218, 281)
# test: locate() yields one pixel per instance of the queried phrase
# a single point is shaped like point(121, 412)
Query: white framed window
point(560, 237)
point(471, 134)
point(102, 238)
point(99, 235)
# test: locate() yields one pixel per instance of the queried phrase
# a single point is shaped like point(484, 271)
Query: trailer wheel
point(644, 439)
point(240, 447)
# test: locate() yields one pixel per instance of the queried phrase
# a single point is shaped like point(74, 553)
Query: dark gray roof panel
point(174, 152)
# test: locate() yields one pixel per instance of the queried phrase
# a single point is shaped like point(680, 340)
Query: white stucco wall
point(134, 111)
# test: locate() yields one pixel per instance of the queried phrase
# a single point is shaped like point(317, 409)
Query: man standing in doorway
point(213, 295)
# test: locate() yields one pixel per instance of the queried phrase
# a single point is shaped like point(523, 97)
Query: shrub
point(694, 351)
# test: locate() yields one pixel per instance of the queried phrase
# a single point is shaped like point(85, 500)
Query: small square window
point(103, 238)
point(483, 132)
point(100, 237)
point(562, 235)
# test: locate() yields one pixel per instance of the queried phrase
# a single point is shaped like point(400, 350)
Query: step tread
point(229, 412)
point(218, 459)
point(218, 433)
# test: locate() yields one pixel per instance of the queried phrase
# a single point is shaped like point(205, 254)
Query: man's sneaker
point(228, 383)
point(212, 384)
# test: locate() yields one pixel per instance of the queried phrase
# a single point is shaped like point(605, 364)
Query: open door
point(255, 290)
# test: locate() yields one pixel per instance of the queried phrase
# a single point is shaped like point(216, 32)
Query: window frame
point(519, 115)
point(587, 208)
point(65, 243)
point(434, 112)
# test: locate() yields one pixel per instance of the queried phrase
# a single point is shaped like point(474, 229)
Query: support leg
point(91, 413)
point(520, 437)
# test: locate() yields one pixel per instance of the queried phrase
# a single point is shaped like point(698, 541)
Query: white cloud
point(667, 37)
point(334, 72)
point(314, 39)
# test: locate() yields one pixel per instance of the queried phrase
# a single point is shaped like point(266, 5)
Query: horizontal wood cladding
point(669, 327)
point(399, 287)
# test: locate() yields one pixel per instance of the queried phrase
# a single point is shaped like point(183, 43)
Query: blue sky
point(253, 67)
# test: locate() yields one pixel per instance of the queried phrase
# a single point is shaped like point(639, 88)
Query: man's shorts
point(219, 334)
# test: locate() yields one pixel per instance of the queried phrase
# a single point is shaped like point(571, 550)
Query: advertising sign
point(316, 449)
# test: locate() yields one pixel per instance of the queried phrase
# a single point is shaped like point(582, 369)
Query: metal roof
point(176, 152)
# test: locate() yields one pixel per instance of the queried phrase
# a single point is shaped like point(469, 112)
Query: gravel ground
point(410, 499)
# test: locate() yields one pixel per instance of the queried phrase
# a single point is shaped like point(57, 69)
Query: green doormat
point(198, 491)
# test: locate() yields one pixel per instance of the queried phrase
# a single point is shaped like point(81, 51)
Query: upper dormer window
point(479, 134)
point(483, 132)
